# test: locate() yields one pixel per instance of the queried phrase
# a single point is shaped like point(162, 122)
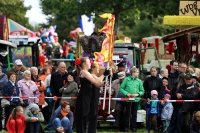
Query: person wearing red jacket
point(16, 121)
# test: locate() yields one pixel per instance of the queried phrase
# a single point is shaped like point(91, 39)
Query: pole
point(105, 89)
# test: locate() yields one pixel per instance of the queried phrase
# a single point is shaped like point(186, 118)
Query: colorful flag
point(106, 53)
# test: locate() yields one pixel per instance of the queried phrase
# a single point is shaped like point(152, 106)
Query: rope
point(102, 98)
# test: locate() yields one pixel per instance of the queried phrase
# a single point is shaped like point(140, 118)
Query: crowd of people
point(36, 94)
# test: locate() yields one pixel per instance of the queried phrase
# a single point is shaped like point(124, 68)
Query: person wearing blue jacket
point(152, 112)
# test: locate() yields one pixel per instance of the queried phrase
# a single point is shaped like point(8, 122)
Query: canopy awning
point(3, 42)
point(175, 35)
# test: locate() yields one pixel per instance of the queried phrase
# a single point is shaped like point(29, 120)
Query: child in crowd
point(33, 118)
point(166, 113)
point(16, 121)
point(165, 85)
point(152, 112)
point(195, 125)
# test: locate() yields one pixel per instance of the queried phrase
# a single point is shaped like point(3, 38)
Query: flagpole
point(104, 100)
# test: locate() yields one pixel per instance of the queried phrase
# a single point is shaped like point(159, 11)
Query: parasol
point(72, 43)
point(17, 29)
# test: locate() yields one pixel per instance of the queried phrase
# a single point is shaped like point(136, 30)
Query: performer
point(84, 98)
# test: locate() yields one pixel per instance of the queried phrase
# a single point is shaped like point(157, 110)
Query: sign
point(189, 8)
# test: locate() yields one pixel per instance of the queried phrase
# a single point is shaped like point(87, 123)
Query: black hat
point(188, 76)
point(122, 64)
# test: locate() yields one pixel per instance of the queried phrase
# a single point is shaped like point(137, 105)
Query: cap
point(154, 92)
point(194, 77)
point(122, 64)
point(121, 75)
point(18, 62)
point(168, 95)
point(188, 76)
point(33, 107)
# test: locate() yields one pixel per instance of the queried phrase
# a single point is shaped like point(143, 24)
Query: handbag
point(5, 102)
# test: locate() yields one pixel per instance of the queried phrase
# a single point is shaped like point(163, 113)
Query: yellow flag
point(106, 53)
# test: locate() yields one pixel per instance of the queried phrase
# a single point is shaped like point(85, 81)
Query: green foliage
point(15, 10)
point(136, 18)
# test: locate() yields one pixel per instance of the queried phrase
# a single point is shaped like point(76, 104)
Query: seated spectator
point(16, 122)
point(33, 118)
point(194, 127)
point(62, 119)
point(70, 89)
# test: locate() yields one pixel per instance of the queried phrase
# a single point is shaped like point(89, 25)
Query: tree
point(15, 10)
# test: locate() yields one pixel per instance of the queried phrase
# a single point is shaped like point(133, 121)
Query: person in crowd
point(166, 113)
point(84, 97)
point(27, 88)
point(44, 73)
point(16, 122)
point(195, 124)
point(3, 81)
point(17, 69)
point(163, 73)
point(48, 53)
point(49, 94)
point(165, 85)
point(197, 73)
point(173, 73)
point(33, 118)
point(24, 68)
point(152, 112)
point(132, 87)
point(65, 49)
point(58, 80)
point(196, 81)
point(153, 83)
point(182, 67)
point(70, 89)
point(119, 106)
point(39, 83)
point(191, 70)
point(186, 91)
point(62, 120)
point(121, 68)
point(48, 64)
point(11, 89)
point(57, 53)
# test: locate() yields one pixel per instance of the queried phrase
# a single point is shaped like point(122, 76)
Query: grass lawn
point(103, 128)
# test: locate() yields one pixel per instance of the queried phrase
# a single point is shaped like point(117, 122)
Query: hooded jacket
point(153, 83)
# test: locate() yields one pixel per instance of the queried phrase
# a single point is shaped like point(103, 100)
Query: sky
point(35, 14)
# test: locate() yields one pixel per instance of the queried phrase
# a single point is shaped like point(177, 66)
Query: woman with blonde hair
point(16, 122)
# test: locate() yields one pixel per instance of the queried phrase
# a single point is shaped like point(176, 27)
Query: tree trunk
point(116, 22)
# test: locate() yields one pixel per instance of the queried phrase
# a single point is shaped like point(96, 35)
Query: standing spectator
point(17, 69)
point(11, 89)
point(16, 122)
point(152, 112)
point(48, 52)
point(173, 73)
point(163, 73)
point(182, 67)
point(57, 53)
point(70, 89)
point(27, 88)
point(165, 85)
point(166, 113)
point(132, 87)
point(194, 127)
point(39, 83)
point(33, 118)
point(119, 106)
point(44, 73)
point(62, 120)
point(187, 91)
point(3, 81)
point(121, 68)
point(65, 50)
point(48, 64)
point(58, 80)
point(191, 70)
point(153, 83)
